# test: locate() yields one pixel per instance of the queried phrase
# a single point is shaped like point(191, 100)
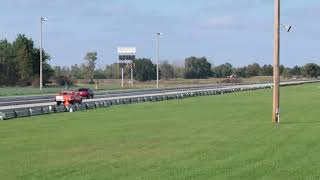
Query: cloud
point(223, 22)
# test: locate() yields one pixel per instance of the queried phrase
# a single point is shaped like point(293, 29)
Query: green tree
point(253, 70)
point(144, 70)
point(35, 62)
point(20, 62)
point(77, 71)
point(240, 72)
point(297, 71)
point(167, 70)
point(312, 70)
point(8, 64)
point(47, 71)
point(196, 68)
point(100, 74)
point(112, 71)
point(266, 70)
point(178, 72)
point(287, 73)
point(25, 66)
point(91, 58)
point(62, 76)
point(23, 47)
point(281, 69)
point(222, 70)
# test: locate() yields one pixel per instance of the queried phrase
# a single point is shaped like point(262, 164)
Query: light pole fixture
point(286, 27)
point(42, 19)
point(158, 56)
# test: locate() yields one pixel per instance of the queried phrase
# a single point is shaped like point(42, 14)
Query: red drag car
point(86, 92)
point(71, 97)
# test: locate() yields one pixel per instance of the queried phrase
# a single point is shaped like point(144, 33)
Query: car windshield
point(83, 89)
point(66, 93)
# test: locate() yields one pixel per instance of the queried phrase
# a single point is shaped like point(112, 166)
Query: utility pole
point(276, 74)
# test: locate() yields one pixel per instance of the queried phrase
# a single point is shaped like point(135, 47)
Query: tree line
point(19, 62)
point(19, 65)
point(194, 68)
point(309, 70)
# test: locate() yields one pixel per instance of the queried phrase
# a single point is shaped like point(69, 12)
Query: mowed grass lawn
point(212, 137)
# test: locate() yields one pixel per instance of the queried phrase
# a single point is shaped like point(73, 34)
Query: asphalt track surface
point(21, 100)
point(10, 103)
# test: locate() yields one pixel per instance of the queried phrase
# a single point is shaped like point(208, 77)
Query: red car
point(86, 92)
point(71, 97)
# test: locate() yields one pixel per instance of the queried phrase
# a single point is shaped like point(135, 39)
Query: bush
point(24, 83)
point(91, 81)
point(64, 81)
point(232, 80)
point(35, 82)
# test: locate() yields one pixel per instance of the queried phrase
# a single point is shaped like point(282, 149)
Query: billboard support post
point(131, 75)
point(121, 77)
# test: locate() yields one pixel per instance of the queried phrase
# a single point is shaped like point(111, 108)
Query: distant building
point(233, 76)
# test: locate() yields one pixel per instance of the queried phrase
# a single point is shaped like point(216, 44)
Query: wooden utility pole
point(276, 74)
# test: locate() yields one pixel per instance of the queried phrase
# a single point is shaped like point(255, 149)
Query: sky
point(236, 31)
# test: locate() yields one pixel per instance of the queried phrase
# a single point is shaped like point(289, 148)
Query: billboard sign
point(126, 55)
point(126, 50)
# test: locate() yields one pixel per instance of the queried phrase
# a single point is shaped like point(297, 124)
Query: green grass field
point(213, 137)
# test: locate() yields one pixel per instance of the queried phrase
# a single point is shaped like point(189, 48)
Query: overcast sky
point(237, 31)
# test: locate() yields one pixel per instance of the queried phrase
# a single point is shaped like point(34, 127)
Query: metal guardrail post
point(2, 116)
point(15, 113)
point(30, 112)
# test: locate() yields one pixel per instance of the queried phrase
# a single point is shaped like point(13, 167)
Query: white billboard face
point(126, 50)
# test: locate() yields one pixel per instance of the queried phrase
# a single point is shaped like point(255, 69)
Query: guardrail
point(108, 102)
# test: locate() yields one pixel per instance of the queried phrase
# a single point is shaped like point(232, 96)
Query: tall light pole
point(42, 19)
point(276, 74)
point(158, 56)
